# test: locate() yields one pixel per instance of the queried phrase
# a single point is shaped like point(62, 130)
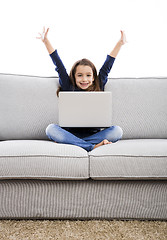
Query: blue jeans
point(60, 135)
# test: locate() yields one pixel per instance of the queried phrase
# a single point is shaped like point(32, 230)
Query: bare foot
point(104, 142)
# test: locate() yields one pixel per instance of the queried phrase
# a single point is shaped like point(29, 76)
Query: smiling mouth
point(84, 83)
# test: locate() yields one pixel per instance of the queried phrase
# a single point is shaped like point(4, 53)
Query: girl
point(83, 77)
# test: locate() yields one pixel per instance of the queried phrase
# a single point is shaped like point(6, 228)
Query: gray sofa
point(44, 180)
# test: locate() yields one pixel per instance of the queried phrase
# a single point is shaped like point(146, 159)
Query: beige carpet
point(88, 230)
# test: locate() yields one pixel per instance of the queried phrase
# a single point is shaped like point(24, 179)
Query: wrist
point(120, 42)
point(45, 41)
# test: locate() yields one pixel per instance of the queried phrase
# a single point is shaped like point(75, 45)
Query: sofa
point(41, 179)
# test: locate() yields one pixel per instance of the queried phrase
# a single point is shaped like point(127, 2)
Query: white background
point(81, 29)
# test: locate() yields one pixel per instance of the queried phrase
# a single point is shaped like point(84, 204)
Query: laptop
point(85, 109)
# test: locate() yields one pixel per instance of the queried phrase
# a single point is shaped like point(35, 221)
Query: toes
point(105, 141)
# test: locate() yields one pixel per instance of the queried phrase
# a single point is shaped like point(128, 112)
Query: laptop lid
point(85, 109)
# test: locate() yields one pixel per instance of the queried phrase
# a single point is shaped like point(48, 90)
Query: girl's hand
point(43, 35)
point(44, 38)
point(123, 38)
point(119, 44)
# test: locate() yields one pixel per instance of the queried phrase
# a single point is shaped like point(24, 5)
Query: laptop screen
point(85, 109)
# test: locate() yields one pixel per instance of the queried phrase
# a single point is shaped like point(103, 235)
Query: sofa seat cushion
point(130, 159)
point(37, 159)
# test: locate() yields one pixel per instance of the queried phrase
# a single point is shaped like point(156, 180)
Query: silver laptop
point(85, 109)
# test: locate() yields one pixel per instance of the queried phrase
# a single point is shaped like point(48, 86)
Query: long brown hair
point(85, 62)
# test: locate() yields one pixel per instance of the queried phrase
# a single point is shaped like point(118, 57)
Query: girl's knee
point(55, 133)
point(119, 131)
point(50, 128)
point(115, 133)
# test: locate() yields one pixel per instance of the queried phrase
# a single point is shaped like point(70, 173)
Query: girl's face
point(84, 76)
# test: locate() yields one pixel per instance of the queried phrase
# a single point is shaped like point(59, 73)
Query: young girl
point(83, 77)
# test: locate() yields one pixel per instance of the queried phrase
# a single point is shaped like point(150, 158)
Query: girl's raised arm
point(106, 68)
point(44, 38)
point(118, 46)
point(64, 79)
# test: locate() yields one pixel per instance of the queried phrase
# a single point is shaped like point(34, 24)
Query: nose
point(84, 78)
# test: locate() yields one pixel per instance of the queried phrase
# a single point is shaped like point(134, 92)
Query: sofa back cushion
point(28, 104)
point(140, 106)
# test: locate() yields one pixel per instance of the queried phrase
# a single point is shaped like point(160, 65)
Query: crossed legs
point(106, 136)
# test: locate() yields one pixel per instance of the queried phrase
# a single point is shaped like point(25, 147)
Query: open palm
point(43, 35)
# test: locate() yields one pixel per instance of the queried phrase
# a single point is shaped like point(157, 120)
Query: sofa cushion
point(139, 106)
point(28, 105)
point(130, 159)
point(39, 159)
